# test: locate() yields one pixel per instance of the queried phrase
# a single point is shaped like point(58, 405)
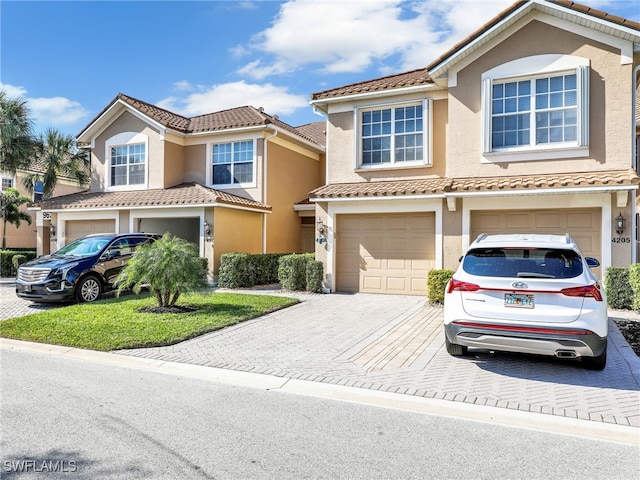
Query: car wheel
point(455, 349)
point(595, 363)
point(88, 289)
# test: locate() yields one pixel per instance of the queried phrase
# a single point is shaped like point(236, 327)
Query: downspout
point(264, 186)
point(634, 162)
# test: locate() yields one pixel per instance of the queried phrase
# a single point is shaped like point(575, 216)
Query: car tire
point(88, 289)
point(454, 349)
point(595, 363)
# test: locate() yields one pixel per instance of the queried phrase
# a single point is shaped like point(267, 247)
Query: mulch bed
point(630, 329)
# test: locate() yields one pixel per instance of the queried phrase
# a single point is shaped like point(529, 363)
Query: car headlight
point(63, 271)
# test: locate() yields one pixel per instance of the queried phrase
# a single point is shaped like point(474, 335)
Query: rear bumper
point(551, 341)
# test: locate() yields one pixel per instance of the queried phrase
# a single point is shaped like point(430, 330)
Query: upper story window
point(394, 135)
point(7, 182)
point(38, 189)
point(536, 116)
point(128, 165)
point(127, 161)
point(233, 163)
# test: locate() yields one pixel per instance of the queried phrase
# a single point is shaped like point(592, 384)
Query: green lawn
point(116, 323)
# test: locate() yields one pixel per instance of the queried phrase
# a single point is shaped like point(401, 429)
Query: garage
point(582, 224)
point(384, 253)
point(80, 228)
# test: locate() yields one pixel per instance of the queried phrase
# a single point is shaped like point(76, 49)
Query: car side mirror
point(592, 262)
point(111, 254)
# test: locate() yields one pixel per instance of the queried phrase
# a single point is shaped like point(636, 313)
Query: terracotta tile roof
point(317, 131)
point(184, 194)
point(400, 188)
point(245, 116)
point(380, 189)
point(550, 181)
point(507, 12)
point(406, 79)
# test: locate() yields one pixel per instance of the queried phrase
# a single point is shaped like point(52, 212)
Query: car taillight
point(462, 286)
point(591, 291)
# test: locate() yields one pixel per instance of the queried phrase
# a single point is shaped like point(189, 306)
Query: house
point(525, 126)
point(228, 181)
point(26, 236)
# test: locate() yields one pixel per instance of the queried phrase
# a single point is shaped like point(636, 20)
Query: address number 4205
point(621, 240)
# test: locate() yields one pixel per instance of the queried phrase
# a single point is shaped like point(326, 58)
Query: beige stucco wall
point(195, 166)
point(173, 164)
point(610, 108)
point(341, 157)
point(155, 154)
point(290, 178)
point(235, 231)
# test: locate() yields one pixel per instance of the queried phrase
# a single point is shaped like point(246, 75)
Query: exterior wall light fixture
point(206, 227)
point(52, 232)
point(620, 220)
point(322, 232)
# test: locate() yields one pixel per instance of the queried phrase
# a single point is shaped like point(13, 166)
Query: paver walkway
point(396, 344)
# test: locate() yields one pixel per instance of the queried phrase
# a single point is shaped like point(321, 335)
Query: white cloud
point(274, 99)
point(57, 111)
point(13, 91)
point(351, 36)
point(49, 111)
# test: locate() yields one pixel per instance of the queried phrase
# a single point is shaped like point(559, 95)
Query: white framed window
point(7, 182)
point(526, 114)
point(127, 161)
point(233, 163)
point(394, 135)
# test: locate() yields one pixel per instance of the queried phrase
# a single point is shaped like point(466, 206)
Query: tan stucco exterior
point(235, 231)
point(458, 147)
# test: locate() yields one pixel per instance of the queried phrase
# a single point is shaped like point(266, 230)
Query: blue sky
point(69, 59)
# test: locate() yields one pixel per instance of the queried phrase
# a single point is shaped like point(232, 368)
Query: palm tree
point(59, 156)
point(17, 143)
point(11, 199)
point(170, 266)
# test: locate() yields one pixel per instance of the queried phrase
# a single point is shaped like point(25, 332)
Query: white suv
point(527, 293)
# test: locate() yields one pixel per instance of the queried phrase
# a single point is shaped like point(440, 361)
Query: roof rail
point(481, 237)
point(567, 238)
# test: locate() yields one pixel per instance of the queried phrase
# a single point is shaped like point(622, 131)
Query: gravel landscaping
point(630, 329)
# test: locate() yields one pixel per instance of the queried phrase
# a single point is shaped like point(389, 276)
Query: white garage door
point(582, 224)
point(385, 253)
point(79, 228)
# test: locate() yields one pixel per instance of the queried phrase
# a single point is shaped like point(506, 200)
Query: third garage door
point(384, 253)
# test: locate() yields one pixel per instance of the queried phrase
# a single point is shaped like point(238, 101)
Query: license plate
point(518, 300)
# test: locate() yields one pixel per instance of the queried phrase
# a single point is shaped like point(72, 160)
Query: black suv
point(80, 271)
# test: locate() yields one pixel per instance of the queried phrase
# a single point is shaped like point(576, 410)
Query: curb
point(621, 434)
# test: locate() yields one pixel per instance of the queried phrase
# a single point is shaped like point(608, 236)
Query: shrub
point(436, 284)
point(315, 273)
point(244, 270)
point(634, 282)
point(17, 260)
point(292, 270)
point(618, 289)
point(6, 259)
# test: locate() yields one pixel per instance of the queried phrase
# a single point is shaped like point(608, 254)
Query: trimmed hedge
point(436, 284)
point(634, 283)
point(618, 289)
point(245, 270)
point(6, 260)
point(292, 270)
point(315, 274)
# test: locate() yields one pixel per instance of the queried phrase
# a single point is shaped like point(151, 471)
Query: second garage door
point(582, 224)
point(79, 228)
point(385, 253)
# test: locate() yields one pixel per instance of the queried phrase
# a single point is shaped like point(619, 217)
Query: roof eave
point(319, 103)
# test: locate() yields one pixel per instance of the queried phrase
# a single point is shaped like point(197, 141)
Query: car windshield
point(523, 262)
point(84, 247)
